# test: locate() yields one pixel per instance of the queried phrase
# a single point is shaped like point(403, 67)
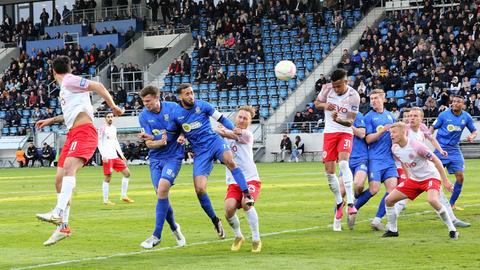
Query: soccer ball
point(285, 70)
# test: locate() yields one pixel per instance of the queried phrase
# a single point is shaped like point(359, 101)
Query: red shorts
point(334, 143)
point(234, 191)
point(413, 188)
point(81, 143)
point(401, 176)
point(116, 164)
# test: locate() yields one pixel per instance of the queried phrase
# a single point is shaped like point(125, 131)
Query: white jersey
point(422, 135)
point(417, 159)
point(74, 98)
point(243, 155)
point(108, 144)
point(348, 102)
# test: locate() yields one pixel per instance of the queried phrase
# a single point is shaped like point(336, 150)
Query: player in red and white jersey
point(240, 141)
point(112, 159)
point(424, 171)
point(81, 139)
point(340, 103)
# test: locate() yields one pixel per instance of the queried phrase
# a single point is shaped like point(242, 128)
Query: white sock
point(66, 214)
point(391, 219)
point(377, 220)
point(252, 219)
point(347, 180)
point(335, 187)
point(448, 207)
point(68, 184)
point(235, 224)
point(124, 187)
point(400, 205)
point(442, 213)
point(106, 188)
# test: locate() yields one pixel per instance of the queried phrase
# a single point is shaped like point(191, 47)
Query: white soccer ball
point(285, 70)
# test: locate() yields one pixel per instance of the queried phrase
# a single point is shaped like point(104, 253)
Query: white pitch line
point(194, 244)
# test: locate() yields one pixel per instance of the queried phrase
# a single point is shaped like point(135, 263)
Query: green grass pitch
point(295, 210)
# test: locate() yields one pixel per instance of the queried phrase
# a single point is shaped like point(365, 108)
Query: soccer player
point(340, 103)
point(450, 125)
point(240, 140)
point(381, 165)
point(113, 159)
point(193, 118)
point(424, 171)
point(166, 156)
point(81, 140)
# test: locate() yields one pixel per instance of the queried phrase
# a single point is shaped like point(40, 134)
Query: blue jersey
point(360, 149)
point(381, 149)
point(451, 126)
point(156, 124)
point(195, 125)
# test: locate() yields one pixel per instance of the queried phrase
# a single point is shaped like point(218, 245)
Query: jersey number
point(73, 146)
point(347, 144)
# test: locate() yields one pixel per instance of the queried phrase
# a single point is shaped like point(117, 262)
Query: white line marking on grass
point(193, 244)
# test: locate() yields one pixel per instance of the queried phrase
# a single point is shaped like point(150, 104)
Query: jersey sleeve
point(354, 102)
point(439, 121)
point(172, 125)
point(101, 141)
point(75, 84)
point(470, 125)
point(422, 150)
point(118, 148)
point(359, 121)
point(426, 132)
point(209, 109)
point(322, 96)
point(144, 124)
point(246, 137)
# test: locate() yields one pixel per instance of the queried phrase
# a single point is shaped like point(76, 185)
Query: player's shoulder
point(369, 114)
point(466, 114)
point(143, 113)
point(352, 91)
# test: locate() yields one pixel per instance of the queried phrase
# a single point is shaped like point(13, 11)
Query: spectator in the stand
point(297, 149)
point(31, 155)
point(32, 99)
point(36, 114)
point(129, 34)
point(153, 5)
point(66, 13)
point(298, 119)
point(44, 16)
point(285, 147)
point(364, 106)
point(121, 96)
point(56, 18)
point(20, 157)
point(165, 8)
point(48, 114)
point(47, 154)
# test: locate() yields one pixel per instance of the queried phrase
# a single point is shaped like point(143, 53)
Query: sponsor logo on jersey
point(379, 128)
point(198, 110)
point(157, 132)
point(166, 117)
point(452, 128)
point(189, 127)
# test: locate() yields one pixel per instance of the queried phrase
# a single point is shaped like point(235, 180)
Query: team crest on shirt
point(157, 132)
point(186, 127)
point(197, 110)
point(411, 156)
point(166, 117)
point(463, 121)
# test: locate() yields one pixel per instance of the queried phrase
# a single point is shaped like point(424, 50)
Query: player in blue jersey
point(192, 118)
point(166, 156)
point(381, 165)
point(450, 125)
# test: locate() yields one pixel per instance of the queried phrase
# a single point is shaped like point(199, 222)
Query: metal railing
point(106, 14)
point(164, 31)
point(131, 81)
point(118, 51)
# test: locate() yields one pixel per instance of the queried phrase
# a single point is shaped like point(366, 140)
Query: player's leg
point(252, 216)
point(457, 189)
point(347, 175)
point(375, 176)
point(394, 196)
point(433, 199)
point(106, 188)
point(390, 183)
point(456, 221)
point(232, 202)
point(226, 158)
point(125, 180)
point(359, 179)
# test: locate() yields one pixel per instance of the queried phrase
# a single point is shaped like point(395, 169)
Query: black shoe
point(219, 228)
point(248, 199)
point(390, 234)
point(454, 235)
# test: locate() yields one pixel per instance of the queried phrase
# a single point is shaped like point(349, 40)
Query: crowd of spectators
point(426, 56)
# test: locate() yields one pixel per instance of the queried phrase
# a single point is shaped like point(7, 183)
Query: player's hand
point(181, 139)
point(104, 159)
point(164, 138)
point(448, 186)
point(117, 110)
point(444, 153)
point(470, 138)
point(386, 128)
point(329, 107)
point(237, 131)
point(335, 116)
point(42, 123)
point(144, 136)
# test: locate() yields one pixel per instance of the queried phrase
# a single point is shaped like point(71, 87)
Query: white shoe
point(377, 226)
point(181, 242)
point(50, 217)
point(151, 242)
point(58, 234)
point(337, 225)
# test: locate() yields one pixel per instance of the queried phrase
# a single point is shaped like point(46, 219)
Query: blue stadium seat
point(399, 93)
point(292, 84)
point(53, 103)
point(24, 122)
point(253, 101)
point(13, 131)
point(252, 92)
point(390, 94)
point(264, 113)
point(5, 131)
point(401, 102)
point(213, 94)
point(283, 93)
point(274, 103)
point(233, 94)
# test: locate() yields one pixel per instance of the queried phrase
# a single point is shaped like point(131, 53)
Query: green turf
point(294, 197)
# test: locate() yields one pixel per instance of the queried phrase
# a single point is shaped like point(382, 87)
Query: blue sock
point(171, 219)
point(381, 207)
point(457, 188)
point(207, 205)
point(240, 178)
point(160, 214)
point(363, 198)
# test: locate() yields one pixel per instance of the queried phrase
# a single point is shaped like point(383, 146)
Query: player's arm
point(360, 132)
point(101, 144)
point(321, 101)
point(240, 135)
point(373, 137)
point(100, 89)
point(437, 124)
point(472, 129)
point(118, 148)
point(348, 122)
point(441, 170)
point(155, 144)
point(49, 121)
point(148, 136)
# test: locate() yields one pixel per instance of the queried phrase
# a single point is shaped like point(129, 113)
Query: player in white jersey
point(240, 141)
point(81, 140)
point(112, 159)
point(340, 103)
point(424, 171)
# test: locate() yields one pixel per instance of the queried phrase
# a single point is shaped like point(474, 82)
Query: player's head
point(109, 118)
point(339, 81)
point(398, 132)
point(415, 117)
point(244, 116)
point(185, 94)
point(151, 98)
point(457, 103)
point(377, 98)
point(406, 111)
point(61, 65)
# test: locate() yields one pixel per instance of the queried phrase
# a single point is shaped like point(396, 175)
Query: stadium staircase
point(298, 99)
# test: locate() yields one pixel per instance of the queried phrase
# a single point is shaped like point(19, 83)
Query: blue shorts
point(358, 165)
point(166, 169)
point(454, 162)
point(203, 161)
point(381, 170)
